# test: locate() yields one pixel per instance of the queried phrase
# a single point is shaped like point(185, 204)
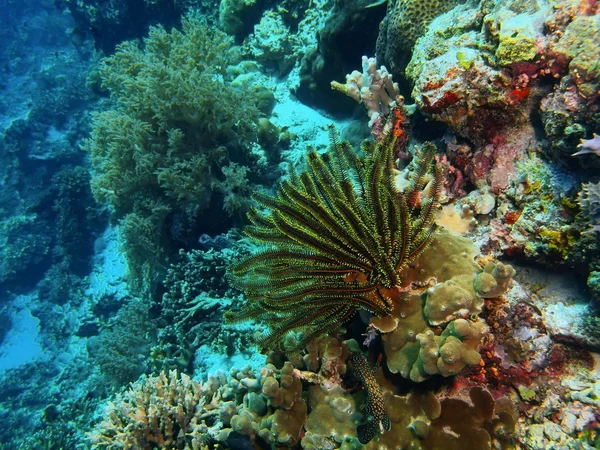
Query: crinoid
point(335, 239)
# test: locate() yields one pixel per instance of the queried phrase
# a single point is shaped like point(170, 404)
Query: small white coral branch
point(373, 88)
point(589, 146)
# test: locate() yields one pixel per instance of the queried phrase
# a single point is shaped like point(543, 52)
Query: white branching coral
point(373, 88)
point(156, 412)
point(589, 146)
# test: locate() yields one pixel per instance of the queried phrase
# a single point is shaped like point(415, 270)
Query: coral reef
point(336, 238)
point(345, 35)
point(373, 89)
point(156, 412)
point(305, 405)
point(425, 289)
point(454, 296)
point(404, 23)
point(109, 23)
point(191, 310)
point(165, 150)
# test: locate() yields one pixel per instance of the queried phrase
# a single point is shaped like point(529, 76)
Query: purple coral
point(589, 146)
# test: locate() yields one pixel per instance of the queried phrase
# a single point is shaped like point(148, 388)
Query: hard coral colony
point(239, 248)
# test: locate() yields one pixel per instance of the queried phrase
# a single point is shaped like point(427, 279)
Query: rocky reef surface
point(286, 224)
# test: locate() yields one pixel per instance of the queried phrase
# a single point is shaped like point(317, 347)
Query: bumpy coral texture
point(176, 135)
point(589, 200)
point(405, 22)
point(457, 289)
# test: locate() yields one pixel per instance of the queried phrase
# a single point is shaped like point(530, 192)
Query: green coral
point(177, 133)
point(517, 41)
point(448, 353)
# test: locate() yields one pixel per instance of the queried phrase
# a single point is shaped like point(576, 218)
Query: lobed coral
point(453, 294)
point(305, 404)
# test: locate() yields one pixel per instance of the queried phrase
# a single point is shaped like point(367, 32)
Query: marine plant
point(335, 238)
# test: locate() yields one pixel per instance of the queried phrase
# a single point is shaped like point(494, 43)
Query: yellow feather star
point(335, 239)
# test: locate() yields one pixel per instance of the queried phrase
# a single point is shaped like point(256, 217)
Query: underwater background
point(300, 224)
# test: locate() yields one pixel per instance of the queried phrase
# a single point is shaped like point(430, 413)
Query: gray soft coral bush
point(175, 129)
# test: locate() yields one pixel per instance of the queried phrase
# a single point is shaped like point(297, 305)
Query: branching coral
point(156, 412)
point(335, 240)
point(373, 88)
point(178, 133)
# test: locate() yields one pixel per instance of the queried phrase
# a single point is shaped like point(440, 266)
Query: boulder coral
point(483, 69)
point(298, 407)
point(405, 22)
point(449, 296)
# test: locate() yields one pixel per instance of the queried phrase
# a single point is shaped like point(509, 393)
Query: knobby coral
point(335, 239)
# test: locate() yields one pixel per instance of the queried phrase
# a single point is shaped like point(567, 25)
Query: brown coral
point(404, 23)
point(156, 412)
